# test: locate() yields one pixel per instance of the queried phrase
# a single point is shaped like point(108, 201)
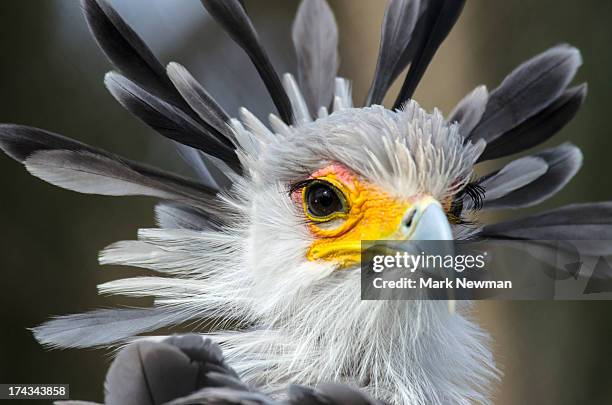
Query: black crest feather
point(232, 16)
point(438, 19)
point(396, 46)
point(169, 120)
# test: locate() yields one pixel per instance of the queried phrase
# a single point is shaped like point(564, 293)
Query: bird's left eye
point(323, 201)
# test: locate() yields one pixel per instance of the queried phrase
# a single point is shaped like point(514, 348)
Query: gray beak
point(430, 223)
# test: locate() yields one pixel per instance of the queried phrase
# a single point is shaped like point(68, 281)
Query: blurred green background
point(51, 77)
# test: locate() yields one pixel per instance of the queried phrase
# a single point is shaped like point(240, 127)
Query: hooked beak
point(426, 220)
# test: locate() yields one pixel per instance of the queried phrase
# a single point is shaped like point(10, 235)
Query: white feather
point(300, 109)
point(343, 97)
point(278, 125)
point(322, 113)
point(306, 322)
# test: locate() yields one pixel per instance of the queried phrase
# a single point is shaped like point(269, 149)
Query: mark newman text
point(447, 283)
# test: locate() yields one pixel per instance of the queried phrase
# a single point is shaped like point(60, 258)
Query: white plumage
point(306, 321)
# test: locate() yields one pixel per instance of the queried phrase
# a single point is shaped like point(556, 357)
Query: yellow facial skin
point(372, 215)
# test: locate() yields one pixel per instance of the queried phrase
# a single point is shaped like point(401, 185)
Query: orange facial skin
point(372, 214)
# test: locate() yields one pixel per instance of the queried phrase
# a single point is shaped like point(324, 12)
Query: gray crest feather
point(104, 326)
point(586, 221)
point(315, 38)
point(90, 173)
point(530, 88)
point(232, 16)
point(169, 120)
point(513, 176)
point(538, 128)
point(396, 34)
point(469, 110)
point(198, 99)
point(563, 163)
point(80, 167)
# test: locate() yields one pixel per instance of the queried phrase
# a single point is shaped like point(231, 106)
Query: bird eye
point(323, 201)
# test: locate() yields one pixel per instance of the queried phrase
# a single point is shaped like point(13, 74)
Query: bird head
point(318, 190)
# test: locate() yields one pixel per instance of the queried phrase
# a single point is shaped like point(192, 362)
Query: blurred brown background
point(51, 77)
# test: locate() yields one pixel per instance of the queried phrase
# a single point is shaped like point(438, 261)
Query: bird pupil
point(322, 200)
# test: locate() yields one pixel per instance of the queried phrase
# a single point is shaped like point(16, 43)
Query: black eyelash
point(477, 193)
point(299, 185)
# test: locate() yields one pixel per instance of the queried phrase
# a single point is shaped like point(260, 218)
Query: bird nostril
point(408, 219)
